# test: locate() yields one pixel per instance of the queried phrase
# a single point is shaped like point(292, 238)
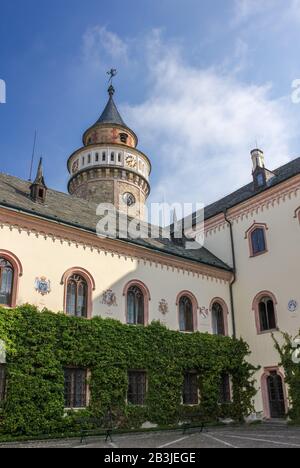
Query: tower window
point(120, 157)
point(124, 137)
point(104, 156)
point(97, 157)
point(83, 160)
point(112, 157)
point(89, 159)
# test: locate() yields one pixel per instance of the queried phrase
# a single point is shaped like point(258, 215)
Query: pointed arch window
point(218, 319)
point(137, 298)
point(135, 306)
point(267, 318)
point(257, 239)
point(264, 306)
point(6, 282)
point(186, 314)
point(77, 292)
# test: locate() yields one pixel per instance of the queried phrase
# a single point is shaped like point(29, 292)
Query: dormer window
point(123, 138)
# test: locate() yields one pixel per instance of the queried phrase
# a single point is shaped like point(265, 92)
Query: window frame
point(222, 303)
point(248, 235)
point(143, 394)
point(85, 397)
point(3, 383)
point(17, 274)
point(91, 287)
point(147, 299)
point(256, 308)
point(186, 401)
point(195, 309)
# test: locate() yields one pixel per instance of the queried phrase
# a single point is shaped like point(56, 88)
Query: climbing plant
point(290, 360)
point(41, 344)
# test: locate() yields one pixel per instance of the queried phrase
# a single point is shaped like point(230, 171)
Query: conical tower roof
point(111, 115)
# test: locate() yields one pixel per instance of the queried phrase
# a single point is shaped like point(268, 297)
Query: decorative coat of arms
point(204, 312)
point(109, 298)
point(163, 307)
point(293, 305)
point(42, 286)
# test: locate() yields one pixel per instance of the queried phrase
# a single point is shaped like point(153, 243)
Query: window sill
point(267, 332)
point(259, 254)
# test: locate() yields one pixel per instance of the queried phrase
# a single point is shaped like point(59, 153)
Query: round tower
point(109, 168)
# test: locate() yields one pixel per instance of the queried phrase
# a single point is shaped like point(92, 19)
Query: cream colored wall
point(42, 256)
point(277, 271)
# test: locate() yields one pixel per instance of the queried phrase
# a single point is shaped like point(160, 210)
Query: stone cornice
point(59, 232)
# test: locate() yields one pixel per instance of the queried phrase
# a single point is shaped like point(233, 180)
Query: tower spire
point(39, 189)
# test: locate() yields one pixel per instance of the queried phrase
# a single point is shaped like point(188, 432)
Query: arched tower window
point(6, 282)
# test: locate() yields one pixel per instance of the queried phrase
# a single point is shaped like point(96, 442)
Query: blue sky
point(200, 81)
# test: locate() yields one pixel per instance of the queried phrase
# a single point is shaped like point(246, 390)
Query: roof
point(281, 174)
point(111, 114)
point(79, 213)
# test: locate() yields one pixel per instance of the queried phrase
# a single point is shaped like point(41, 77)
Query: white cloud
point(272, 10)
point(197, 125)
point(200, 125)
point(100, 43)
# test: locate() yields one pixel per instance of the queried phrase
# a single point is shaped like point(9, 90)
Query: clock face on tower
point(129, 199)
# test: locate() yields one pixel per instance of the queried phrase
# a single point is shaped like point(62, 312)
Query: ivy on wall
point(41, 344)
point(290, 362)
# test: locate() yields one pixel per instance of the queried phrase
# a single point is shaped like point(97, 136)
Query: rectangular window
point(2, 382)
point(89, 159)
point(97, 157)
point(112, 157)
point(137, 388)
point(190, 389)
point(225, 391)
point(119, 157)
point(103, 157)
point(75, 388)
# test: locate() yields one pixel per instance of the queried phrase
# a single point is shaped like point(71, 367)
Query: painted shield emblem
point(42, 286)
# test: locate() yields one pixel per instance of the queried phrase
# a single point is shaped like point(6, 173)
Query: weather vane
point(112, 73)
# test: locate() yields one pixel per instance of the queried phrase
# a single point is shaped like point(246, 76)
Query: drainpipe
point(234, 272)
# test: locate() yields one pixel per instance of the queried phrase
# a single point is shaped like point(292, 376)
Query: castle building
point(244, 282)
